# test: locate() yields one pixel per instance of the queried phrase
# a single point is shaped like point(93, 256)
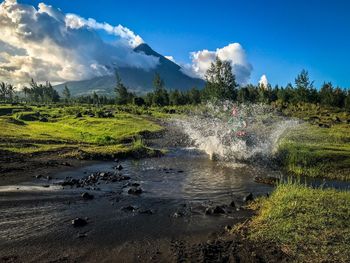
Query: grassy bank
point(79, 132)
point(310, 225)
point(321, 146)
point(317, 152)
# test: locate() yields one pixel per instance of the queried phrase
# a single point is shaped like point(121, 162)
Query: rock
point(248, 198)
point(116, 160)
point(48, 178)
point(267, 180)
point(228, 228)
point(180, 171)
point(129, 208)
point(81, 235)
point(38, 176)
point(324, 125)
point(43, 119)
point(118, 167)
point(87, 196)
point(209, 211)
point(79, 115)
point(135, 191)
point(178, 214)
point(46, 186)
point(232, 204)
point(219, 210)
point(79, 222)
point(135, 184)
point(147, 212)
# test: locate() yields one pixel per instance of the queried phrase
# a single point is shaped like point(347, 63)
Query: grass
point(23, 132)
point(315, 151)
point(311, 225)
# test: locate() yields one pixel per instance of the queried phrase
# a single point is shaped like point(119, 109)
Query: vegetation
point(320, 147)
point(81, 132)
point(311, 225)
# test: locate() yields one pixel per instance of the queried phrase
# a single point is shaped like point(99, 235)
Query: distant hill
point(138, 80)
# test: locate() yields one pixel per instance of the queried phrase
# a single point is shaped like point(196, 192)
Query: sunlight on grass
point(311, 225)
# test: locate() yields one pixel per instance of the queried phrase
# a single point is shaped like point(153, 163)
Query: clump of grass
point(311, 225)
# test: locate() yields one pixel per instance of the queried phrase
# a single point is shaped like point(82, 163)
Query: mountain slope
point(138, 80)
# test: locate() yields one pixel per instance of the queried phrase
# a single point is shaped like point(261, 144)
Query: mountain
point(136, 79)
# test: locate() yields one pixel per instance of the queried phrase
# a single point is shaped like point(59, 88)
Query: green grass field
point(43, 129)
point(311, 225)
point(317, 152)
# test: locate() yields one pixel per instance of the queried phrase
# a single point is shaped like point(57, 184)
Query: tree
point(66, 93)
point(3, 91)
point(220, 81)
point(304, 89)
point(26, 91)
point(194, 96)
point(122, 95)
point(160, 95)
point(326, 94)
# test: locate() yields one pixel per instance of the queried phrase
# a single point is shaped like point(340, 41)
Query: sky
point(277, 38)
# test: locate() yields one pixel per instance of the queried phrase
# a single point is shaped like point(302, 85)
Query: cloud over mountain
point(234, 53)
point(46, 44)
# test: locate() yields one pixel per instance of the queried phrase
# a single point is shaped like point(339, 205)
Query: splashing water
point(223, 138)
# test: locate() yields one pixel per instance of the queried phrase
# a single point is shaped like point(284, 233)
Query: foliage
point(221, 83)
point(123, 96)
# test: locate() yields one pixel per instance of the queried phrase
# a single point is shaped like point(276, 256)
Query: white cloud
point(201, 61)
point(46, 44)
point(263, 82)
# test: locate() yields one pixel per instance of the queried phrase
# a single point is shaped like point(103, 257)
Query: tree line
point(220, 85)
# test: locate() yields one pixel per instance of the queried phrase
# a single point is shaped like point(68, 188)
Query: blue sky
point(280, 37)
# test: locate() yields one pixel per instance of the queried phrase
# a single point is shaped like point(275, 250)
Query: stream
point(177, 189)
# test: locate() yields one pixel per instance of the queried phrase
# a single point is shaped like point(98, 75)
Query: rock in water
point(248, 198)
point(119, 167)
point(135, 191)
point(267, 180)
point(209, 211)
point(79, 222)
point(129, 208)
point(219, 210)
point(87, 196)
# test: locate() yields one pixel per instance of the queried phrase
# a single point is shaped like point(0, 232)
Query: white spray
point(215, 132)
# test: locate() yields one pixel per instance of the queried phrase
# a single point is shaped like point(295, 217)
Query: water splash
point(211, 131)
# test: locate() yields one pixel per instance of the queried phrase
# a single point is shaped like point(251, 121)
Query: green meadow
point(76, 131)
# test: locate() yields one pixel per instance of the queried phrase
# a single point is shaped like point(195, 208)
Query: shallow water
point(38, 213)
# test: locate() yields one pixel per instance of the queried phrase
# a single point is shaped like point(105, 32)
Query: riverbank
point(45, 139)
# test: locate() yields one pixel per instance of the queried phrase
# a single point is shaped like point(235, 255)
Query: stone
point(135, 191)
point(87, 196)
point(129, 208)
point(219, 210)
point(267, 180)
point(248, 198)
point(79, 222)
point(147, 212)
point(209, 211)
point(118, 167)
point(232, 204)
